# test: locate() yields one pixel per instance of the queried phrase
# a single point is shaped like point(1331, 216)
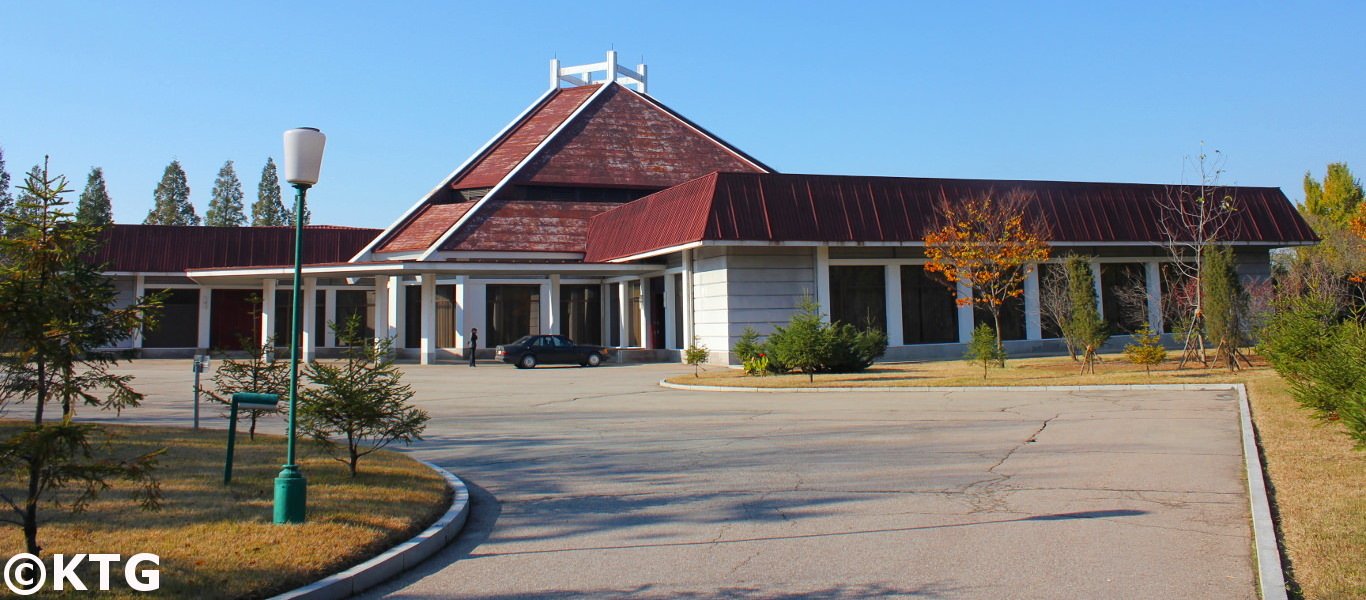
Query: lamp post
point(303, 161)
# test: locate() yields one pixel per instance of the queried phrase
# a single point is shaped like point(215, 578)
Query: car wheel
point(527, 362)
point(594, 360)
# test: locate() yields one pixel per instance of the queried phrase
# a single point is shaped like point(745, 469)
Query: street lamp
point(303, 161)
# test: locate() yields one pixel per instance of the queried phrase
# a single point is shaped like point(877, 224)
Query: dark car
point(534, 350)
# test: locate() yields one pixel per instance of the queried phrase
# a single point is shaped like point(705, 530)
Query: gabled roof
point(593, 136)
point(739, 207)
point(175, 248)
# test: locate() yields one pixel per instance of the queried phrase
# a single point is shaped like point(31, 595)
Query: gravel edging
point(399, 558)
point(1270, 574)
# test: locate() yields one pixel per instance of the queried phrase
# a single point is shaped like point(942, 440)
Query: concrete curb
point(1270, 574)
point(398, 559)
point(1193, 387)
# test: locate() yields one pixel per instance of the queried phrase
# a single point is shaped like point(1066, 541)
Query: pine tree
point(1225, 309)
point(95, 207)
point(269, 210)
point(1089, 330)
point(225, 206)
point(6, 200)
point(57, 311)
point(172, 199)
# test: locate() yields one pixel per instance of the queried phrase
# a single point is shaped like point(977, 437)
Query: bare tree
point(1055, 309)
point(1132, 296)
point(1195, 217)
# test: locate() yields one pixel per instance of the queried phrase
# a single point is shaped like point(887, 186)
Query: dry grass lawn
point(219, 542)
point(1318, 480)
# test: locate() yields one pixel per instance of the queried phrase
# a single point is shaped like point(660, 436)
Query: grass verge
point(218, 541)
point(1316, 476)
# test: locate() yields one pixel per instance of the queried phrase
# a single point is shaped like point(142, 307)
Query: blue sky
point(406, 91)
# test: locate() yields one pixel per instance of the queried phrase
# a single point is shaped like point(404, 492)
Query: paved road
point(598, 483)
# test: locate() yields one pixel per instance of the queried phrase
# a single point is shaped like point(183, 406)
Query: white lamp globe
point(303, 155)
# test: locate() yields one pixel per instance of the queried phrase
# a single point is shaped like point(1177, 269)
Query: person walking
point(474, 343)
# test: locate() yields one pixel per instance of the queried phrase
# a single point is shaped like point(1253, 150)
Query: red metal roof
point(831, 208)
point(625, 140)
point(504, 156)
point(175, 248)
point(425, 227)
point(526, 226)
point(621, 140)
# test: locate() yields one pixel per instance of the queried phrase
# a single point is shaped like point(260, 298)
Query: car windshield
point(522, 341)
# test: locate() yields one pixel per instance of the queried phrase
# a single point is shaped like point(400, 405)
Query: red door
point(234, 317)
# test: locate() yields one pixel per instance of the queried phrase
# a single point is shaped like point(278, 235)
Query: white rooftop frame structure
point(588, 74)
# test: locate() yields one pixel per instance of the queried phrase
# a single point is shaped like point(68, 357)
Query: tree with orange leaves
point(989, 244)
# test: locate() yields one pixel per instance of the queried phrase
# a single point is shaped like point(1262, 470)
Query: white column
point(965, 320)
point(139, 290)
point(205, 317)
point(892, 281)
point(688, 332)
point(461, 334)
point(605, 313)
point(1033, 316)
point(550, 305)
point(398, 308)
point(670, 290)
point(268, 313)
point(823, 281)
point(329, 318)
point(624, 315)
point(1100, 299)
point(427, 345)
point(1153, 278)
point(645, 308)
point(309, 320)
point(381, 307)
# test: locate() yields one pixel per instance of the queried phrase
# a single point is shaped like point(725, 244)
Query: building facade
point(604, 215)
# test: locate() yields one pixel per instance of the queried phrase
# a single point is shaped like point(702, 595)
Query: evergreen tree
point(6, 200)
point(225, 206)
point(269, 210)
point(1336, 198)
point(1088, 329)
point(95, 207)
point(1225, 309)
point(172, 199)
point(57, 310)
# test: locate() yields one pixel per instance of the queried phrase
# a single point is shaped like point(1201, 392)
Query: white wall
point(747, 286)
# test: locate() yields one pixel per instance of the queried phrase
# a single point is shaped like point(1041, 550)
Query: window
point(178, 326)
point(513, 311)
point(633, 324)
point(1124, 296)
point(1012, 318)
point(357, 303)
point(858, 296)
point(929, 309)
point(581, 313)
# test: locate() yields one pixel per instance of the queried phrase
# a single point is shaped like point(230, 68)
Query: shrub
point(748, 347)
point(759, 365)
point(810, 345)
point(1335, 378)
point(361, 399)
point(1148, 350)
point(696, 354)
point(982, 349)
point(801, 345)
point(1297, 333)
point(850, 349)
